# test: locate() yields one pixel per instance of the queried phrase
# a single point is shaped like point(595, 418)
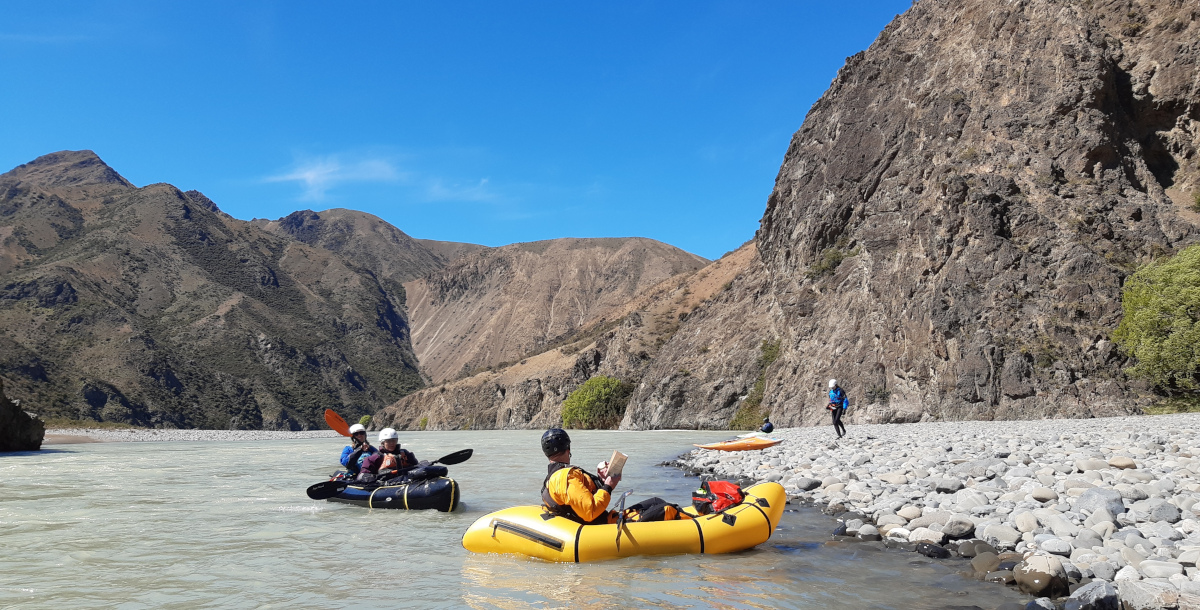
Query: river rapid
point(227, 524)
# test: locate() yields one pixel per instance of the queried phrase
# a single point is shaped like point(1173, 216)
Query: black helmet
point(555, 441)
point(766, 419)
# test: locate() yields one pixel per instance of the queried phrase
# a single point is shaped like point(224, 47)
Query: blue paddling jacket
point(348, 451)
point(838, 397)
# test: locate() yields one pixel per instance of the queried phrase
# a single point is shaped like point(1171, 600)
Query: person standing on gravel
point(838, 403)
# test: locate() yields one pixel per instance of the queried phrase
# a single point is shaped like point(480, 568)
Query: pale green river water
point(228, 525)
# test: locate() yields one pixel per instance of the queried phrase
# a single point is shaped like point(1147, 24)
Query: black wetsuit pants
point(837, 421)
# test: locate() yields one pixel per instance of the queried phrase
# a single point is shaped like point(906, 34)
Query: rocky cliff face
point(18, 430)
point(150, 306)
point(952, 223)
point(621, 342)
point(499, 305)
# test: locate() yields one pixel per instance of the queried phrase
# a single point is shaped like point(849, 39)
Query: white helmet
point(356, 428)
point(832, 383)
point(388, 434)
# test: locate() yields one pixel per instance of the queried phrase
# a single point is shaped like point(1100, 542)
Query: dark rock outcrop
point(19, 431)
point(951, 225)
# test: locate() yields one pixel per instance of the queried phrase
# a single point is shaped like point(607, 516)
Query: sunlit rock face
point(951, 225)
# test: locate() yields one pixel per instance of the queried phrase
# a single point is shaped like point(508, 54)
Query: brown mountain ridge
point(150, 306)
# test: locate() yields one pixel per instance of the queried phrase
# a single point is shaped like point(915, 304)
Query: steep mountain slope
point(497, 305)
point(150, 306)
point(621, 343)
point(952, 223)
point(371, 242)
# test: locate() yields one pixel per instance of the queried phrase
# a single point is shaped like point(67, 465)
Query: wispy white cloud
point(437, 189)
point(318, 175)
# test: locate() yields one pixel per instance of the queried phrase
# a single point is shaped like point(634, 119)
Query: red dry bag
point(716, 496)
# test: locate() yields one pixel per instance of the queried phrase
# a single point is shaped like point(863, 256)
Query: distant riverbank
point(61, 436)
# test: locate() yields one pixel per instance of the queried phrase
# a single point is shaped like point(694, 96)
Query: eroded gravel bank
point(144, 435)
point(1093, 508)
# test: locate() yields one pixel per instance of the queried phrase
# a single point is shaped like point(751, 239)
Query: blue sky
point(488, 123)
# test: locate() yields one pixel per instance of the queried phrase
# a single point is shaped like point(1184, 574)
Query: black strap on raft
point(621, 517)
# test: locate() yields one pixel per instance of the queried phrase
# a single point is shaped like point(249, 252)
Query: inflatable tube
point(529, 530)
point(440, 493)
point(742, 444)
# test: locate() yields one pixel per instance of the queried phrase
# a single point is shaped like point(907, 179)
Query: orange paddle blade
point(336, 422)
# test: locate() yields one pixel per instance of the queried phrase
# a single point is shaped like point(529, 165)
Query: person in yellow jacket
point(572, 492)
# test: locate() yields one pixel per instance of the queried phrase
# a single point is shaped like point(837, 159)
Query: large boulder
point(1097, 498)
point(1041, 575)
point(19, 431)
point(1096, 595)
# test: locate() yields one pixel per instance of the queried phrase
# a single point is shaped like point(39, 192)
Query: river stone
point(958, 527)
point(1060, 526)
point(971, 548)
point(868, 533)
point(835, 488)
point(1159, 569)
point(1026, 521)
point(1099, 497)
point(1041, 575)
point(1165, 512)
point(806, 484)
point(1141, 595)
point(898, 533)
point(924, 534)
point(1085, 465)
point(1095, 595)
point(1099, 516)
point(910, 512)
point(1189, 558)
point(1044, 494)
point(1127, 573)
point(1004, 577)
point(948, 485)
point(1129, 492)
point(1000, 535)
point(1122, 462)
point(932, 550)
point(1041, 603)
point(1104, 570)
point(894, 478)
point(985, 562)
point(890, 520)
point(1056, 546)
point(966, 499)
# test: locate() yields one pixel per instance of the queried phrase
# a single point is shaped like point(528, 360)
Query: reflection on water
point(181, 525)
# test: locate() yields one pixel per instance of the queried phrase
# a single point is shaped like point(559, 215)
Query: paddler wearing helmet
point(389, 460)
point(358, 449)
point(572, 492)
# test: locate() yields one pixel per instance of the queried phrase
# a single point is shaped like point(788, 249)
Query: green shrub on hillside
point(365, 421)
point(598, 403)
point(1160, 325)
point(750, 415)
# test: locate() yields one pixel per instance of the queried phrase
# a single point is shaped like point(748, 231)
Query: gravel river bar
point(1081, 512)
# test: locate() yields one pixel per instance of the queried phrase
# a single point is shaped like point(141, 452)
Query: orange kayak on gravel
point(742, 444)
